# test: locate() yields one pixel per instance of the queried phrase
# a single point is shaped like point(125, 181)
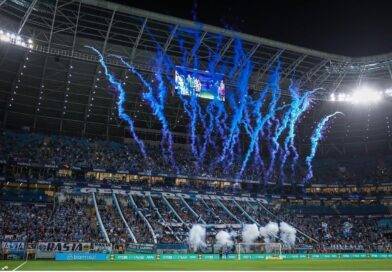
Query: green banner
point(179, 257)
point(210, 257)
point(231, 257)
point(214, 257)
point(253, 256)
point(134, 257)
point(381, 255)
point(294, 256)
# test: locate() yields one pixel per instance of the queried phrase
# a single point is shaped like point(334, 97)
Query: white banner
point(46, 250)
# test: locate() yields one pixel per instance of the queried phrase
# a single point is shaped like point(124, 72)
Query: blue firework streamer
point(254, 139)
point(217, 116)
point(157, 104)
point(220, 124)
point(238, 103)
point(314, 140)
point(287, 120)
point(274, 86)
point(238, 111)
point(190, 106)
point(298, 107)
point(121, 98)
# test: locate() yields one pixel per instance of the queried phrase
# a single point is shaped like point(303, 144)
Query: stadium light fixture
point(365, 95)
point(12, 38)
point(360, 96)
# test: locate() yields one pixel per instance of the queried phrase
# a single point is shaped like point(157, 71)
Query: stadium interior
point(71, 171)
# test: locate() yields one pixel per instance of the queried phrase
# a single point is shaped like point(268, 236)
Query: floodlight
point(365, 95)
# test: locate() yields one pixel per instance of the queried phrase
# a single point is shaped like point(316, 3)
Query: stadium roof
point(61, 88)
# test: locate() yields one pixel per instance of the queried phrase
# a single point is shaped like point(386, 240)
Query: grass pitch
point(349, 264)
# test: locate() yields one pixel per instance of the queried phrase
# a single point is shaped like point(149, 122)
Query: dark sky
point(348, 27)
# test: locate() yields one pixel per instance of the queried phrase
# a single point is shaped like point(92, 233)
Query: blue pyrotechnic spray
point(300, 105)
point(314, 140)
point(220, 116)
point(247, 122)
point(215, 122)
point(255, 137)
point(121, 98)
point(195, 111)
point(189, 106)
point(208, 131)
point(220, 120)
point(255, 110)
point(238, 59)
point(273, 126)
point(288, 119)
point(274, 86)
point(238, 102)
point(157, 105)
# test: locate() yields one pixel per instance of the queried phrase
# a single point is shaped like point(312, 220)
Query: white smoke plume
point(269, 232)
point(250, 233)
point(287, 234)
point(197, 237)
point(233, 234)
point(223, 238)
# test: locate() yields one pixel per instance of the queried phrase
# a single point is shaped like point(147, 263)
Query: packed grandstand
point(135, 207)
point(149, 155)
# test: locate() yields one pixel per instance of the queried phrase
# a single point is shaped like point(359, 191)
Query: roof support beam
point(136, 44)
point(320, 80)
point(223, 51)
point(294, 66)
point(92, 90)
point(172, 33)
point(308, 76)
point(190, 57)
point(267, 66)
point(248, 57)
point(339, 81)
point(27, 14)
point(211, 29)
point(70, 67)
point(13, 88)
point(42, 86)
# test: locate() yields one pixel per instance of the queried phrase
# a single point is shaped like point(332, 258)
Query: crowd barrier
point(211, 257)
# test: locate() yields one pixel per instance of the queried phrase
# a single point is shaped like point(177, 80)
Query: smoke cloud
point(269, 232)
point(250, 233)
point(223, 238)
point(287, 234)
point(197, 237)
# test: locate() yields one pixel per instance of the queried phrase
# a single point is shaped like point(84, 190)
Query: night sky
point(347, 27)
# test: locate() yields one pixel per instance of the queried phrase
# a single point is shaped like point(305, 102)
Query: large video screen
point(201, 84)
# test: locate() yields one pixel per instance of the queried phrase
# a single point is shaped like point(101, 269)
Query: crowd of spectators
point(113, 224)
point(138, 226)
point(34, 148)
point(163, 232)
point(73, 218)
point(338, 233)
